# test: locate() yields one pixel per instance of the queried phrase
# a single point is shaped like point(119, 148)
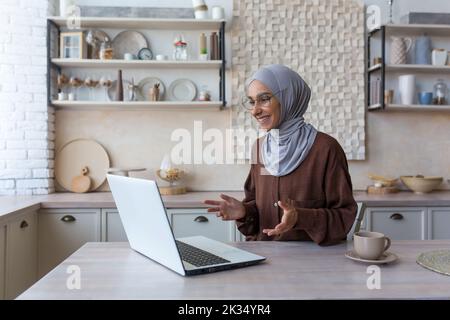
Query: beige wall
point(398, 143)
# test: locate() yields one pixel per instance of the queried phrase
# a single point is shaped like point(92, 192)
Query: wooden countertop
point(293, 270)
point(15, 204)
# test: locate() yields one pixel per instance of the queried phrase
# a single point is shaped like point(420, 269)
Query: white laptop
point(148, 230)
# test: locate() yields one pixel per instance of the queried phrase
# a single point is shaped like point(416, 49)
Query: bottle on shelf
point(214, 46)
point(180, 48)
point(119, 86)
point(203, 54)
point(440, 93)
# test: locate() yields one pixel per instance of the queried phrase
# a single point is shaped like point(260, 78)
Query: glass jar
point(106, 51)
point(180, 48)
point(440, 92)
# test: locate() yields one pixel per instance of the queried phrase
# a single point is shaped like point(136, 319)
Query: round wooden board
point(77, 154)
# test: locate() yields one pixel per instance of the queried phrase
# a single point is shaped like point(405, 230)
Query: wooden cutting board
point(77, 154)
point(381, 190)
point(81, 183)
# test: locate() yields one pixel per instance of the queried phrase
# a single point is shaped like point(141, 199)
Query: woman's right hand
point(229, 209)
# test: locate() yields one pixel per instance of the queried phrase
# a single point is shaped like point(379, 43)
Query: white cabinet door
point(21, 254)
point(198, 222)
point(398, 223)
point(112, 227)
point(439, 223)
point(62, 232)
point(2, 260)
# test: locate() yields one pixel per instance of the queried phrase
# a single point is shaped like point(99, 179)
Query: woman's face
point(266, 108)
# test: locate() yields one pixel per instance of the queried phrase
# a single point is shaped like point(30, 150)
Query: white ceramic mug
point(62, 96)
point(407, 87)
point(71, 96)
point(218, 13)
point(160, 57)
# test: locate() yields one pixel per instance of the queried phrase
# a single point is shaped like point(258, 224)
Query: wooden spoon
point(82, 183)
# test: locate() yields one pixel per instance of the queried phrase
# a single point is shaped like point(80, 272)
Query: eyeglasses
point(262, 101)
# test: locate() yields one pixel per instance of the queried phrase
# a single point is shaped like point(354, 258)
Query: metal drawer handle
point(23, 224)
point(396, 216)
point(68, 218)
point(201, 219)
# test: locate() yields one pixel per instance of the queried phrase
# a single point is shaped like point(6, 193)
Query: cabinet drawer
point(439, 223)
point(186, 223)
point(399, 223)
point(21, 254)
point(62, 232)
point(112, 227)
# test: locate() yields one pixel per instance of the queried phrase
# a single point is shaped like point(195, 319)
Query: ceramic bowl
point(421, 184)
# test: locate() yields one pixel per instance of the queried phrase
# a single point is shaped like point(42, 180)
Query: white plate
point(126, 91)
point(128, 41)
point(144, 86)
point(182, 90)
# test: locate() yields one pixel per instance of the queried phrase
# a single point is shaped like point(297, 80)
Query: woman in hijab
point(299, 188)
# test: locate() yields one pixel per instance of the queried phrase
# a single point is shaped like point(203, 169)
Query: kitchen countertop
point(15, 204)
point(308, 271)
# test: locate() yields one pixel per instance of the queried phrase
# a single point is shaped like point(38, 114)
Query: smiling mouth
point(263, 119)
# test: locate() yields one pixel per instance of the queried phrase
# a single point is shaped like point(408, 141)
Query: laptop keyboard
point(198, 257)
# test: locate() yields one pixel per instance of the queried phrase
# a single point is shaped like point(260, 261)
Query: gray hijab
point(283, 150)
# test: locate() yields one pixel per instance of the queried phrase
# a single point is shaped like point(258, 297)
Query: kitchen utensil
point(78, 154)
point(420, 184)
point(146, 84)
point(407, 86)
point(182, 90)
point(128, 41)
point(386, 257)
point(132, 89)
point(437, 261)
point(81, 183)
point(399, 49)
point(423, 50)
point(112, 91)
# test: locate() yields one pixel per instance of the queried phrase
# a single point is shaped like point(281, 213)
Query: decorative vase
point(423, 50)
point(407, 86)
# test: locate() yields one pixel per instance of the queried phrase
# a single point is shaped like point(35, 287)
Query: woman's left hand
point(288, 220)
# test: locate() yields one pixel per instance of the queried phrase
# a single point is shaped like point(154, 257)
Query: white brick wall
point(26, 122)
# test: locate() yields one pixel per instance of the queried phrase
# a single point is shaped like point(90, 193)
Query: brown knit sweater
point(321, 189)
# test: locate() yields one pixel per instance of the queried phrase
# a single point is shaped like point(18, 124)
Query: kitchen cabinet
point(2, 260)
point(112, 228)
point(62, 232)
point(439, 223)
point(21, 254)
point(194, 222)
point(398, 223)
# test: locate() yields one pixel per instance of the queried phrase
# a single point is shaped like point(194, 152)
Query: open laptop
point(148, 230)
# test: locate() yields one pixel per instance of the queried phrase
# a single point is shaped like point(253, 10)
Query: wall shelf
point(409, 108)
point(117, 63)
point(137, 105)
point(141, 23)
point(376, 101)
point(54, 64)
point(417, 68)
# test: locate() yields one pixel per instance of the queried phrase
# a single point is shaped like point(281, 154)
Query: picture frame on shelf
point(73, 45)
